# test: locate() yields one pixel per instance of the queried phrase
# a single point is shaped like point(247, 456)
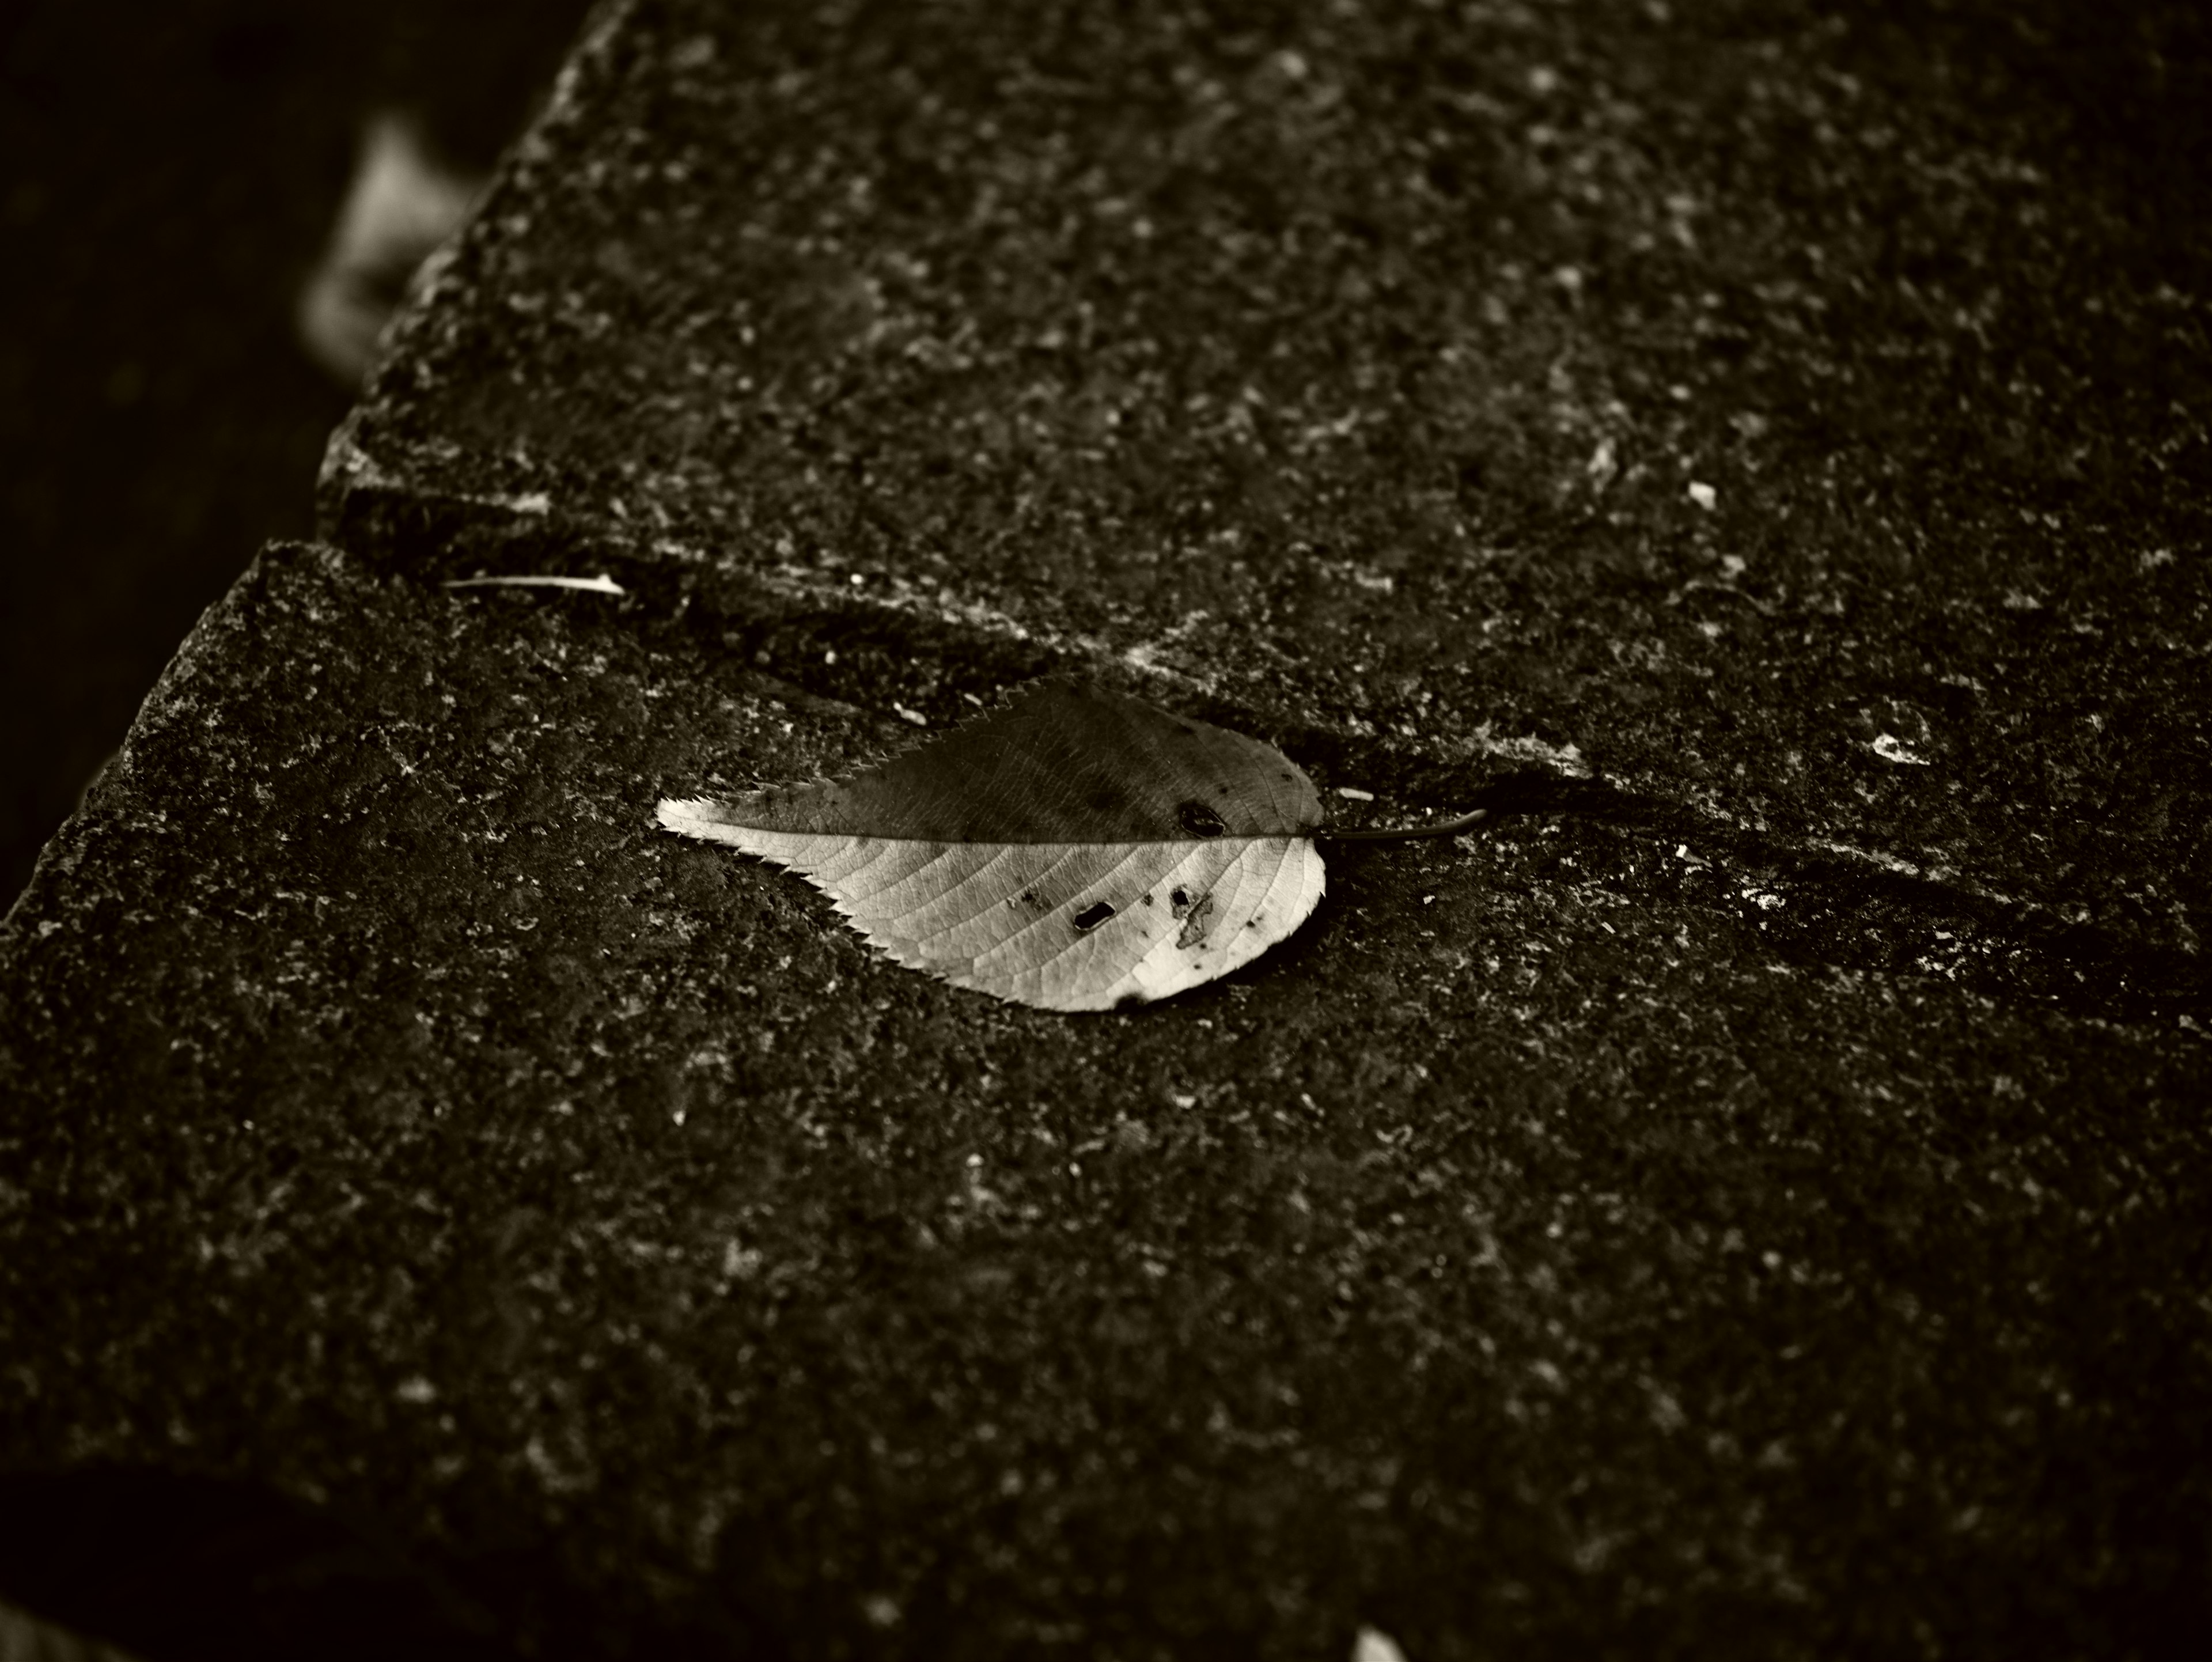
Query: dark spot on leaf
point(1091, 916)
point(1199, 820)
point(1197, 924)
point(1148, 900)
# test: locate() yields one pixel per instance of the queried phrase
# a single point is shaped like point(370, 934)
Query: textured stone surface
point(1374, 369)
point(1526, 1255)
point(1754, 1196)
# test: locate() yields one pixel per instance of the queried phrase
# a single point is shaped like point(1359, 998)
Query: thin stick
point(588, 585)
point(1448, 828)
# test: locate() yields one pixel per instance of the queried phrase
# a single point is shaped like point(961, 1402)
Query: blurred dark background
point(169, 171)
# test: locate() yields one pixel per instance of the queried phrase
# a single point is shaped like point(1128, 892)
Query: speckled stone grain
point(1751, 1198)
point(1795, 424)
point(1522, 1260)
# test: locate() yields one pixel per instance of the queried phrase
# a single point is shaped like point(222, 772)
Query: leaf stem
point(1446, 828)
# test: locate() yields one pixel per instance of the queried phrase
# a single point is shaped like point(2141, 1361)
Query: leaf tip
point(694, 816)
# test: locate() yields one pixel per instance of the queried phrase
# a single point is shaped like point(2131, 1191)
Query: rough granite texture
point(1357, 371)
point(1753, 1197)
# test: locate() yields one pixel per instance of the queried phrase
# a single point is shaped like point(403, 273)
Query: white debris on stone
point(1604, 462)
point(1890, 862)
point(1567, 758)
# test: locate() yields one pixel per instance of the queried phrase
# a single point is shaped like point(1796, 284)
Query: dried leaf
point(1077, 850)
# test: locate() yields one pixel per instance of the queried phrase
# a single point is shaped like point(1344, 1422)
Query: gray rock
point(1748, 1197)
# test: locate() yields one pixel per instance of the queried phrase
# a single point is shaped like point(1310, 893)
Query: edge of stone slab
point(2050, 957)
point(64, 848)
point(515, 171)
point(975, 648)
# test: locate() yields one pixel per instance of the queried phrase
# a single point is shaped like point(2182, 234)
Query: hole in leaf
point(1181, 901)
point(1199, 820)
point(1091, 916)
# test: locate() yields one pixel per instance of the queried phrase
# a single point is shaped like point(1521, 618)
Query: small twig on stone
point(1444, 828)
point(589, 585)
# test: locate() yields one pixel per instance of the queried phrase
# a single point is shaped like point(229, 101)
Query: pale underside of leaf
point(1023, 921)
point(1076, 849)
